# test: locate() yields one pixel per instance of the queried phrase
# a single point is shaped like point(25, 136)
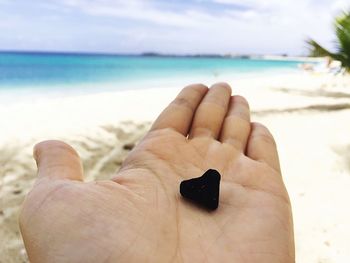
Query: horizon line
point(145, 53)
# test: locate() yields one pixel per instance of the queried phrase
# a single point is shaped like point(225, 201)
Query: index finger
point(179, 114)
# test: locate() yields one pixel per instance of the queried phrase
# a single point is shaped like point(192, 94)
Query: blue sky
point(182, 27)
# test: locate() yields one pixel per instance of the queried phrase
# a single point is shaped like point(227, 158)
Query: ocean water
point(69, 71)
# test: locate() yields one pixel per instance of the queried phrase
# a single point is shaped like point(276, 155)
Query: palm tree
point(342, 31)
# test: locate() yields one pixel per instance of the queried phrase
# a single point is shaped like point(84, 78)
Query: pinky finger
point(262, 147)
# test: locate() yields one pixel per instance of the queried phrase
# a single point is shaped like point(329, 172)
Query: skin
point(139, 215)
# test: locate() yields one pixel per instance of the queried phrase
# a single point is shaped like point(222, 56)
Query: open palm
point(139, 215)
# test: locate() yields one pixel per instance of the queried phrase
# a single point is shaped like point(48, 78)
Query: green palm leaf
point(342, 32)
point(316, 50)
point(342, 27)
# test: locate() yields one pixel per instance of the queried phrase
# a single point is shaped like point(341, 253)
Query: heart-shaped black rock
point(203, 190)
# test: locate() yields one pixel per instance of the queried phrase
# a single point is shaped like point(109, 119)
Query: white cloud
point(274, 26)
point(260, 4)
point(134, 9)
point(277, 24)
point(340, 5)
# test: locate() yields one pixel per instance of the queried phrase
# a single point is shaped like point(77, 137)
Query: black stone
point(203, 190)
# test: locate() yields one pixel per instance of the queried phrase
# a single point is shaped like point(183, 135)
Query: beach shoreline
point(306, 113)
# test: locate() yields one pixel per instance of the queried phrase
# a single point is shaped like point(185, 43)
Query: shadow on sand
point(317, 107)
point(316, 93)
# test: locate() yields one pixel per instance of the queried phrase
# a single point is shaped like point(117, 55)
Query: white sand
point(314, 149)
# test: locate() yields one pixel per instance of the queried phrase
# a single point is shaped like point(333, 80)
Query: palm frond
point(316, 50)
point(342, 32)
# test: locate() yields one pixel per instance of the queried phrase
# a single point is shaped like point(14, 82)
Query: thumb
point(57, 160)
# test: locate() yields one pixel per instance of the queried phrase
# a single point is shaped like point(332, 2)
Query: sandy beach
point(308, 115)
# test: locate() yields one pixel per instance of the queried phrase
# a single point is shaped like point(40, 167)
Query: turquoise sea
point(30, 69)
point(69, 72)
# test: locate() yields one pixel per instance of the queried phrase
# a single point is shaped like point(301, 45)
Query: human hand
point(139, 215)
